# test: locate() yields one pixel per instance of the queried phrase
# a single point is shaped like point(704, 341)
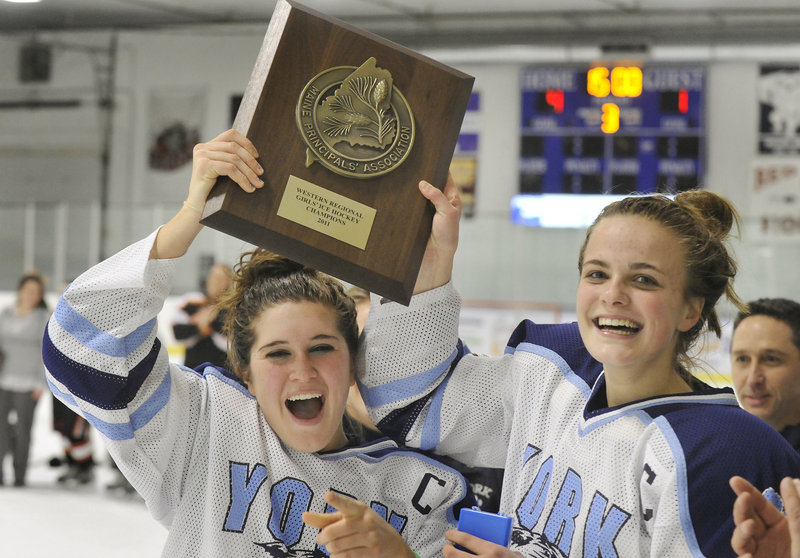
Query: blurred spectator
point(21, 372)
point(197, 324)
point(765, 363)
point(77, 442)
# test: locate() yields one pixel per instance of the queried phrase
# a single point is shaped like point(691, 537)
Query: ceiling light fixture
point(24, 1)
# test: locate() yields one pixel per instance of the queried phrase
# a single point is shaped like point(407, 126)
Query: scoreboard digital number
point(612, 129)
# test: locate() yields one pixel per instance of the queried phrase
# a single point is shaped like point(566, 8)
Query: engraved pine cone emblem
point(360, 111)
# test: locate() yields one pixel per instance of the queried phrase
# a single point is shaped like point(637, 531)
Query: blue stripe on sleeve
point(413, 386)
point(104, 390)
point(431, 428)
point(137, 419)
point(102, 342)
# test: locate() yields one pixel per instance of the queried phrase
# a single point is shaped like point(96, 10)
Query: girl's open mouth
point(619, 326)
point(305, 406)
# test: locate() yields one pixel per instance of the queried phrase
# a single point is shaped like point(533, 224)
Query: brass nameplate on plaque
point(326, 212)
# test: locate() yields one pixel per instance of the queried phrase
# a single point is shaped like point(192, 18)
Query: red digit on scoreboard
point(555, 98)
point(683, 101)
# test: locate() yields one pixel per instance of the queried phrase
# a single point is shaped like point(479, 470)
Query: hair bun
point(712, 210)
point(259, 264)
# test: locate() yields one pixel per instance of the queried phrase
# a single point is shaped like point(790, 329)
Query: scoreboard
point(612, 129)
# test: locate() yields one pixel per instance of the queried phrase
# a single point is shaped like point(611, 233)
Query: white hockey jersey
point(196, 445)
point(645, 479)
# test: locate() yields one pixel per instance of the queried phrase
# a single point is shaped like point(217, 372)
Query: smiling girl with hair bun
point(611, 446)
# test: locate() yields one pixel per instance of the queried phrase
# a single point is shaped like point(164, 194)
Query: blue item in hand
point(490, 527)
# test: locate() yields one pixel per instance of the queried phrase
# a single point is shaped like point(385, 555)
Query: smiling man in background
point(765, 364)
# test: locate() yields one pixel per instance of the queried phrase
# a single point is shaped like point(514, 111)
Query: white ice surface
point(46, 520)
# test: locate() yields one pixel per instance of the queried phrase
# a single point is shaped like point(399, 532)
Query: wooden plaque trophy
point(346, 124)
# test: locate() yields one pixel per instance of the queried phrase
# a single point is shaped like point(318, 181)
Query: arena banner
point(779, 110)
point(464, 166)
point(774, 198)
point(175, 119)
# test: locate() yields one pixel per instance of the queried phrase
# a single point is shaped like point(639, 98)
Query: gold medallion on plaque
point(354, 121)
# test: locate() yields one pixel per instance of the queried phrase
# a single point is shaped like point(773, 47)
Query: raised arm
point(437, 263)
point(229, 154)
point(101, 350)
